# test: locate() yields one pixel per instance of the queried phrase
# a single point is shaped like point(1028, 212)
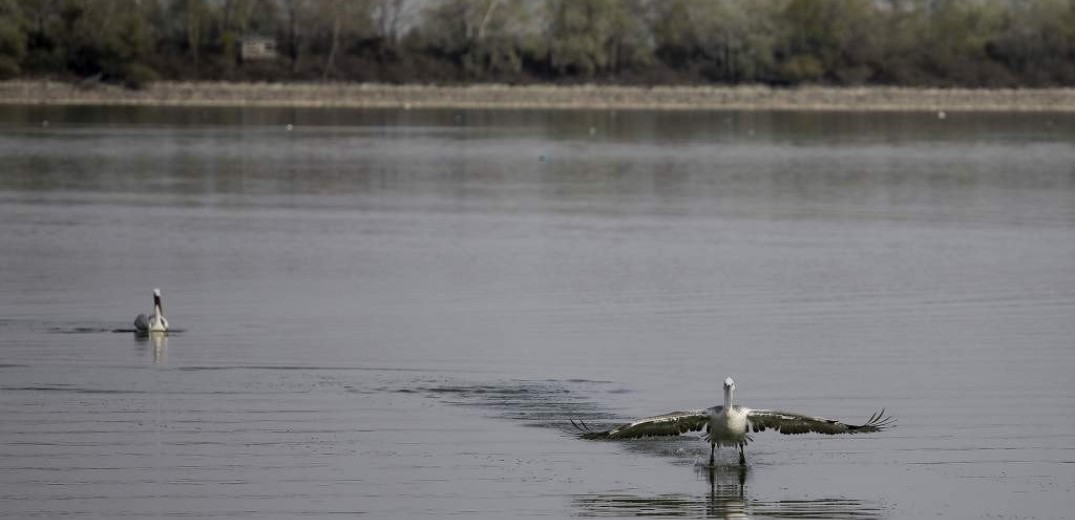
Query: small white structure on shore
point(255, 48)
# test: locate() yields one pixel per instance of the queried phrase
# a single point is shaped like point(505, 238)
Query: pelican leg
point(712, 449)
point(742, 456)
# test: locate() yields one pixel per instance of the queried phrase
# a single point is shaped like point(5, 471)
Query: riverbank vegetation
point(922, 43)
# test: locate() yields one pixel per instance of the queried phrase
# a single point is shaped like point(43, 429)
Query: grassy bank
point(554, 97)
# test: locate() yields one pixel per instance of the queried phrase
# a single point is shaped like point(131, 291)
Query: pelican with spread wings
point(729, 425)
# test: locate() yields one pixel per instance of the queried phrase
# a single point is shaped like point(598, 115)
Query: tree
point(578, 35)
point(41, 17)
point(900, 50)
point(195, 15)
point(1037, 42)
point(392, 16)
point(295, 13)
point(957, 36)
point(629, 45)
point(829, 39)
point(720, 40)
point(339, 20)
point(108, 40)
point(482, 37)
point(12, 39)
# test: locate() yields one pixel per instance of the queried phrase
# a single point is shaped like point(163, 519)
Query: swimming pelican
point(155, 323)
point(729, 424)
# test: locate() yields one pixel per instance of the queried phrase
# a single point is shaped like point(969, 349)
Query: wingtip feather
point(588, 433)
point(877, 422)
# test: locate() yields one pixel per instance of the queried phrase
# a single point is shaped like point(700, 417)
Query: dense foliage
point(782, 42)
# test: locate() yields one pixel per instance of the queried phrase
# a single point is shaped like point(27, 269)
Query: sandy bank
point(553, 97)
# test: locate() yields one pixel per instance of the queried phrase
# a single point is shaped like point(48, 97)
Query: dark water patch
point(547, 403)
point(12, 365)
point(80, 330)
point(67, 389)
point(252, 367)
point(293, 367)
point(686, 450)
point(60, 388)
point(356, 388)
point(562, 405)
point(492, 390)
point(101, 329)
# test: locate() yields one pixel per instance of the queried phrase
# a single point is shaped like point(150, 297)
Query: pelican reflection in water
point(729, 424)
point(726, 498)
point(159, 342)
point(160, 348)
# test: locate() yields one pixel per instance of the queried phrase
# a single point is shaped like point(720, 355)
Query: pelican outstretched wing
point(790, 423)
point(666, 425)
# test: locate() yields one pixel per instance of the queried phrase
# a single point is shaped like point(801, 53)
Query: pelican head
point(729, 384)
point(729, 387)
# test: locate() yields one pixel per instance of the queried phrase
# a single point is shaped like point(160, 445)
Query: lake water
point(394, 314)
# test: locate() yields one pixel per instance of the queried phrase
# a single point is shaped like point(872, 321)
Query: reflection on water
point(158, 342)
point(774, 166)
point(728, 498)
point(398, 313)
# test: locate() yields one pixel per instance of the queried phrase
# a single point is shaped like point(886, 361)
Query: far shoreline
point(555, 97)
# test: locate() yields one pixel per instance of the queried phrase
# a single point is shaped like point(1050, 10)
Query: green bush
point(802, 68)
point(137, 76)
point(8, 68)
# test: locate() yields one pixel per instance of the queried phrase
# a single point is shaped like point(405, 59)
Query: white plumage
point(730, 424)
point(155, 322)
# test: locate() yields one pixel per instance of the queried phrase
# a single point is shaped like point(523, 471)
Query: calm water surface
point(394, 314)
